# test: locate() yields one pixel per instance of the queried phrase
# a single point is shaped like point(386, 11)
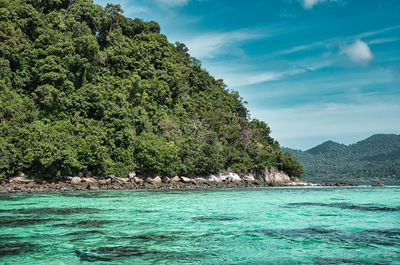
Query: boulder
point(223, 177)
point(138, 181)
point(157, 182)
point(148, 186)
point(233, 177)
point(93, 187)
point(76, 180)
point(213, 178)
point(186, 180)
point(175, 179)
point(20, 180)
point(149, 180)
point(104, 181)
point(200, 180)
point(275, 176)
point(89, 180)
point(249, 178)
point(121, 180)
point(230, 177)
point(111, 177)
point(131, 174)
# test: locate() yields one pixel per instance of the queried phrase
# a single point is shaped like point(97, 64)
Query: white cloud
point(308, 4)
point(301, 48)
point(382, 40)
point(376, 32)
point(247, 79)
point(212, 44)
point(358, 52)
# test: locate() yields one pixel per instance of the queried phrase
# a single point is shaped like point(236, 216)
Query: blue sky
point(314, 70)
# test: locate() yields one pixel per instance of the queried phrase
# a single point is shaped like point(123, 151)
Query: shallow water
point(327, 225)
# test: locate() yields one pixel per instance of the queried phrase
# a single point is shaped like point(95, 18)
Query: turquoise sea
point(310, 225)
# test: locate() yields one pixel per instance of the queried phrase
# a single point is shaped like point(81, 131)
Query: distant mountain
point(376, 158)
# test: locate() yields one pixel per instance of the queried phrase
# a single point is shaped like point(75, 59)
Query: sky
point(313, 70)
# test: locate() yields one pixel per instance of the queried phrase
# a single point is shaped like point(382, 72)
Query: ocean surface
point(311, 225)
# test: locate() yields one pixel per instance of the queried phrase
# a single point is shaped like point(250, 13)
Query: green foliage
point(83, 87)
point(291, 166)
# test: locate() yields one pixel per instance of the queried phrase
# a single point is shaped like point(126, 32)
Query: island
point(88, 95)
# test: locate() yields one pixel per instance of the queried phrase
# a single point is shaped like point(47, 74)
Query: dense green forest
point(83, 87)
point(376, 158)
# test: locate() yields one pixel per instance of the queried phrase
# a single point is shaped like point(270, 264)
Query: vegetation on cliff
point(376, 158)
point(84, 87)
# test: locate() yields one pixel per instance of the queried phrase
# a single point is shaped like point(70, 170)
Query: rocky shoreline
point(270, 177)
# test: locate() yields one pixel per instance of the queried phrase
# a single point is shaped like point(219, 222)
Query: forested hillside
point(83, 87)
point(376, 158)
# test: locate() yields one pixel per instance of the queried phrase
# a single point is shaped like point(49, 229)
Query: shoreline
point(33, 187)
point(269, 177)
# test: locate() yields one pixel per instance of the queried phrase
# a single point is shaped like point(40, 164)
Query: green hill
point(376, 158)
point(83, 87)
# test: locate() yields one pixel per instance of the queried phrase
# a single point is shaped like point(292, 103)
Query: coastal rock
point(213, 178)
point(93, 187)
point(233, 177)
point(111, 177)
point(200, 180)
point(275, 176)
point(157, 182)
point(75, 180)
point(148, 186)
point(138, 181)
point(104, 181)
point(20, 180)
point(121, 180)
point(149, 180)
point(131, 174)
point(186, 180)
point(174, 179)
point(89, 180)
point(249, 178)
point(230, 177)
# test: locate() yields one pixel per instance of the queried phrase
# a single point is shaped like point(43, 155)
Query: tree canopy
point(83, 87)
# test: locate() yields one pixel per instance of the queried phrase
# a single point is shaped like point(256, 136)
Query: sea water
point(314, 225)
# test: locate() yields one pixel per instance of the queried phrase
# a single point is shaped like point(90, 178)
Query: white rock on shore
point(249, 178)
point(213, 178)
point(276, 176)
point(75, 180)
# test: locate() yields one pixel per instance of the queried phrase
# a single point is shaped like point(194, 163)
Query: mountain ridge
point(376, 158)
